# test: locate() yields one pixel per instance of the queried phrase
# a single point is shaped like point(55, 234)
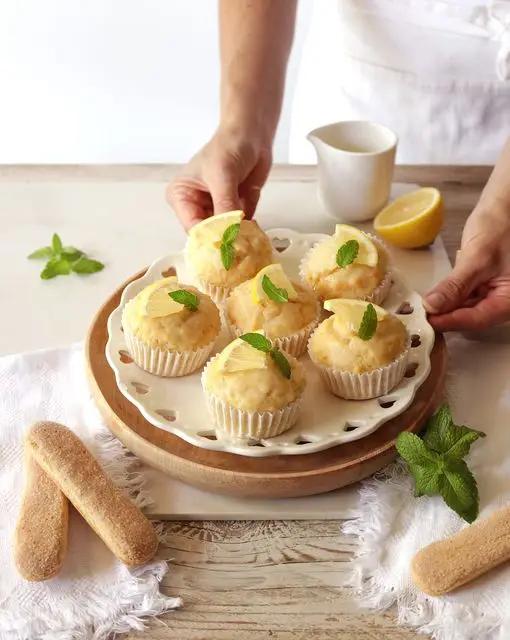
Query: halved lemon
point(367, 252)
point(412, 220)
point(240, 356)
point(278, 277)
point(214, 227)
point(350, 312)
point(156, 303)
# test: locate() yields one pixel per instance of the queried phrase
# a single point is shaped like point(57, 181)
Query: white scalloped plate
point(177, 404)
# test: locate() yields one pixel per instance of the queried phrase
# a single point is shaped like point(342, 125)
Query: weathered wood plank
point(280, 580)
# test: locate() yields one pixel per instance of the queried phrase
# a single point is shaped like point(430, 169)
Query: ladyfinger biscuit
point(40, 540)
point(120, 524)
point(448, 564)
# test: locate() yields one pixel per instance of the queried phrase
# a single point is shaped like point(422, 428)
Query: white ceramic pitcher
point(356, 161)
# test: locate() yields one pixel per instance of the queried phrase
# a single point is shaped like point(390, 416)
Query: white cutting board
point(127, 225)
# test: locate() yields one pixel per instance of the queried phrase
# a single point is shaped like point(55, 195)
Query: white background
point(113, 80)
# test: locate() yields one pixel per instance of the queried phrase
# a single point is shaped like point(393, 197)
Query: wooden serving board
point(230, 474)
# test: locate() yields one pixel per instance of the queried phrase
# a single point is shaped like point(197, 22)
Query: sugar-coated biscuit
point(120, 524)
point(40, 540)
point(445, 565)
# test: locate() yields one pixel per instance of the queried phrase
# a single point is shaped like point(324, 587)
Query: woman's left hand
point(476, 295)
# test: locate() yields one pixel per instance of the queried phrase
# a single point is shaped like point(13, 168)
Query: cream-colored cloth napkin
point(393, 525)
point(94, 595)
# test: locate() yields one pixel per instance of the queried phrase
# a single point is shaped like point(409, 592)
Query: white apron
point(437, 72)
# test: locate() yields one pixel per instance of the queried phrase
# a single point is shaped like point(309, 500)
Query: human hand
point(476, 295)
point(226, 174)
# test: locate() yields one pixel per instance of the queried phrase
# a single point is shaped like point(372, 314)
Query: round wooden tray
point(269, 477)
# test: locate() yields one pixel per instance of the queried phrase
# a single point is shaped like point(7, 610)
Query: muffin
point(253, 393)
point(225, 250)
point(287, 312)
point(361, 350)
point(170, 328)
point(349, 264)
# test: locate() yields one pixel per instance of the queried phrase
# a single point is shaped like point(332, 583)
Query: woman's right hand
point(226, 174)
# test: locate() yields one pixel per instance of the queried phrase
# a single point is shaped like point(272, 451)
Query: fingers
point(494, 309)
point(224, 188)
point(250, 189)
point(189, 201)
point(452, 292)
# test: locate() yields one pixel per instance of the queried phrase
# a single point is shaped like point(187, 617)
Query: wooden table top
point(277, 579)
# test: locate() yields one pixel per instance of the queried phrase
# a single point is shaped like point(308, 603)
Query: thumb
point(224, 188)
point(452, 292)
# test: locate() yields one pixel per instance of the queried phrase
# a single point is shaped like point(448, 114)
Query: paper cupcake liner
point(363, 386)
point(218, 293)
point(379, 294)
point(164, 362)
point(294, 344)
point(256, 425)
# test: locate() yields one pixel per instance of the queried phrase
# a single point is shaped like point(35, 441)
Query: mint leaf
point(257, 341)
point(347, 253)
point(44, 253)
point(188, 299)
point(368, 324)
point(459, 490)
point(273, 292)
point(281, 362)
point(465, 438)
point(71, 253)
point(444, 436)
point(55, 267)
point(427, 479)
point(414, 451)
point(230, 234)
point(227, 255)
point(85, 266)
point(56, 244)
point(227, 245)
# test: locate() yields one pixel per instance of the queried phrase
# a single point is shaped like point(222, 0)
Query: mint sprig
point(227, 250)
point(437, 465)
point(368, 325)
point(347, 253)
point(277, 294)
point(261, 343)
point(187, 298)
point(61, 260)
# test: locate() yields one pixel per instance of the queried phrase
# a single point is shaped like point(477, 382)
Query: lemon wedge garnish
point(214, 227)
point(155, 301)
point(350, 312)
point(367, 252)
point(278, 277)
point(240, 356)
point(412, 220)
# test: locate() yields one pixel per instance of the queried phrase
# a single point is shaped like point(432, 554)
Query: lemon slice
point(155, 301)
point(240, 356)
point(278, 277)
point(350, 312)
point(214, 227)
point(367, 252)
point(412, 220)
